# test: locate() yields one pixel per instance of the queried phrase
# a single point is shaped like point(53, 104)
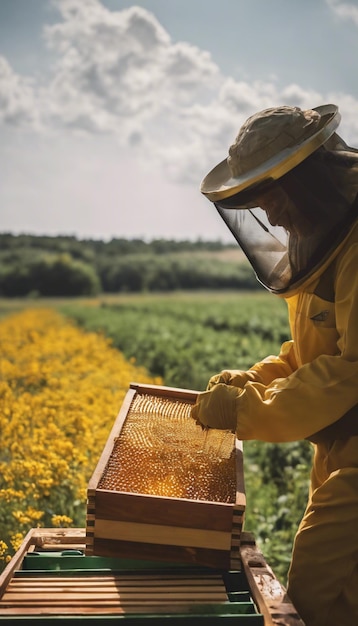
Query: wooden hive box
point(50, 579)
point(165, 489)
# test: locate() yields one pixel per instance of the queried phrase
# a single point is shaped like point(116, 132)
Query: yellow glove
point(218, 407)
point(236, 378)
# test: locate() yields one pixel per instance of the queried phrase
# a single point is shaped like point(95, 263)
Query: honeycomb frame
point(182, 517)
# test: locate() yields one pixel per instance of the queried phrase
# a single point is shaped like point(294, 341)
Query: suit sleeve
point(306, 399)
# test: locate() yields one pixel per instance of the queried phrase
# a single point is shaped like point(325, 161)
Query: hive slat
point(45, 578)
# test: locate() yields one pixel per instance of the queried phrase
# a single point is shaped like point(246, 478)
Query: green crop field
point(185, 338)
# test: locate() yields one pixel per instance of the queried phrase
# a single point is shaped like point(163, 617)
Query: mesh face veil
point(289, 225)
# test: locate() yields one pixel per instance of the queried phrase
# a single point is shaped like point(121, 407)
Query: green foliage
point(277, 482)
point(44, 265)
point(186, 339)
point(48, 275)
point(170, 272)
point(87, 249)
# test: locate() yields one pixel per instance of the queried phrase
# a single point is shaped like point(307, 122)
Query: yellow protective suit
point(308, 387)
point(314, 380)
point(323, 578)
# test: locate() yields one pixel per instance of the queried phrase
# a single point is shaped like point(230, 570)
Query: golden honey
point(162, 451)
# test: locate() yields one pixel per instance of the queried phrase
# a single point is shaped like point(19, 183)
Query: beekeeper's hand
point(218, 408)
point(236, 378)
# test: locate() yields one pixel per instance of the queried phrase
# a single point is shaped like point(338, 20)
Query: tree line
point(32, 265)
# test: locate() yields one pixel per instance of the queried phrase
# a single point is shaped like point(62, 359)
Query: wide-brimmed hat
point(269, 145)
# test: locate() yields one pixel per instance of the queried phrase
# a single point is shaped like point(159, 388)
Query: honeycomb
point(162, 451)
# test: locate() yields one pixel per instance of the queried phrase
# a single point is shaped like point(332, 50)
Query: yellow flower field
point(60, 392)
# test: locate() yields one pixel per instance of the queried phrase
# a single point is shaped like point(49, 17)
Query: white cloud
point(125, 116)
point(122, 64)
point(118, 73)
point(17, 100)
point(344, 10)
point(348, 109)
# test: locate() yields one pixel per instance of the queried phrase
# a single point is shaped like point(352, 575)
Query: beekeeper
point(288, 193)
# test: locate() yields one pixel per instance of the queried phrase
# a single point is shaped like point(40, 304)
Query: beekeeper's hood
point(298, 181)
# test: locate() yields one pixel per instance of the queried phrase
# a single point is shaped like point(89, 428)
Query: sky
point(112, 112)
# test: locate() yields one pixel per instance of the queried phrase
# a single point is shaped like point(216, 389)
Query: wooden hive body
point(51, 579)
point(147, 524)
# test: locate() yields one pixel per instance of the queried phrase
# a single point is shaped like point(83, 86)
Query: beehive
point(164, 488)
point(50, 579)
